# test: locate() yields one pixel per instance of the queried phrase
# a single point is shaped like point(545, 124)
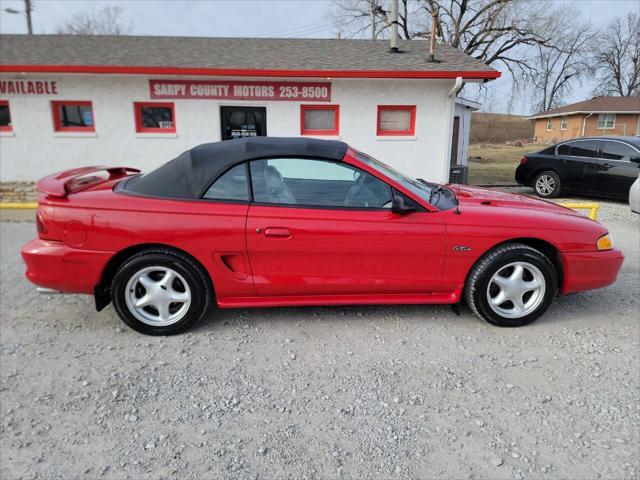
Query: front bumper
point(589, 270)
point(59, 267)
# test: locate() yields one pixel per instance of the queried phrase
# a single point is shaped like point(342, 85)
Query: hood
point(475, 196)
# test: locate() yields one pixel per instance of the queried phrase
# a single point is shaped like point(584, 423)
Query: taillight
point(42, 230)
point(46, 230)
point(523, 160)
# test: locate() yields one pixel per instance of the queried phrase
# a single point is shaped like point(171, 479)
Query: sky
point(266, 18)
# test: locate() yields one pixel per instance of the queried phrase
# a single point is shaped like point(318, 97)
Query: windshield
point(437, 195)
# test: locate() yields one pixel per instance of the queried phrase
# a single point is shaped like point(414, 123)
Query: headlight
point(605, 242)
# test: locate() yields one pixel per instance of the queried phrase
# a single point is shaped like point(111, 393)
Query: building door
point(455, 137)
point(237, 122)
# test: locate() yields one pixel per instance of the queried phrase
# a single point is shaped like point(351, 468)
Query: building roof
point(190, 174)
point(234, 56)
point(595, 105)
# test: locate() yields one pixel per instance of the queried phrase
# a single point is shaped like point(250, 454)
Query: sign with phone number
point(237, 90)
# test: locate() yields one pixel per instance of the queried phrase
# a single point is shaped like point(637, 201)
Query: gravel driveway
point(367, 392)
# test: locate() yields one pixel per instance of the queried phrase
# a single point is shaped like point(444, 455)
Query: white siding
point(34, 149)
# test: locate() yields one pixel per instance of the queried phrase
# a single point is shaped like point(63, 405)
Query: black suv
point(599, 166)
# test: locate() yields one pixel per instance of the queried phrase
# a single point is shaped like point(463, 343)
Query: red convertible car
point(265, 222)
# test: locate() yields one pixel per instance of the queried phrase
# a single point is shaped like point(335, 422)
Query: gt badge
point(461, 248)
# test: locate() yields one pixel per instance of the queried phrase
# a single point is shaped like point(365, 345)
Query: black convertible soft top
point(190, 174)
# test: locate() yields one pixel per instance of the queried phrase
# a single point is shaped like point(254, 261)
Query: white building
point(67, 101)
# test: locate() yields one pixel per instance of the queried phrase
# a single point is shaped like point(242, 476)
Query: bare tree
point(617, 58)
point(489, 30)
point(558, 67)
point(524, 37)
point(357, 18)
point(107, 21)
point(495, 31)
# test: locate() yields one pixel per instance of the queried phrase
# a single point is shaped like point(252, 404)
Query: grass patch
point(496, 164)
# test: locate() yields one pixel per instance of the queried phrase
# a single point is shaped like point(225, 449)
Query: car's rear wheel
point(512, 285)
point(547, 184)
point(160, 292)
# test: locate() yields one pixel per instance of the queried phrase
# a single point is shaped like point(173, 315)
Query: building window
point(155, 117)
point(549, 124)
point(69, 116)
point(563, 122)
point(5, 117)
point(606, 120)
point(396, 120)
point(319, 119)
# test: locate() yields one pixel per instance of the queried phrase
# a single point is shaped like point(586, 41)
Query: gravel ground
point(367, 392)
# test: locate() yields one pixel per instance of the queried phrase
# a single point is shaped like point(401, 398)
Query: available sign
point(29, 87)
point(235, 90)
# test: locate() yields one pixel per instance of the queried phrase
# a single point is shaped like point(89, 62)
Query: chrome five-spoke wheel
point(158, 296)
point(516, 290)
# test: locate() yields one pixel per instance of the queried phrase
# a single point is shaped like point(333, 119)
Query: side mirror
point(635, 159)
point(400, 207)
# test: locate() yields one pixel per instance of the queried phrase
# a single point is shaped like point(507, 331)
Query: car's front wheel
point(160, 292)
point(512, 285)
point(547, 184)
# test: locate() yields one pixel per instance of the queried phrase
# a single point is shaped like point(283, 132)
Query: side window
point(618, 151)
point(564, 149)
point(548, 151)
point(587, 148)
point(319, 183)
point(231, 186)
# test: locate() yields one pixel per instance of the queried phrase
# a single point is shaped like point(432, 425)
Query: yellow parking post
point(18, 206)
point(591, 206)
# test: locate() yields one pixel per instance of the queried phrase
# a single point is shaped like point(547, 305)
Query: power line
point(302, 30)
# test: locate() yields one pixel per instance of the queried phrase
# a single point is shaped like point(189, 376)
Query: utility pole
point(27, 10)
point(374, 5)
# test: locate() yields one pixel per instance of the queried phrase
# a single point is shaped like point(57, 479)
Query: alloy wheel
point(516, 290)
point(545, 184)
point(158, 296)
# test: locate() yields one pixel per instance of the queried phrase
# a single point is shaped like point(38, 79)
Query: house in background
point(597, 116)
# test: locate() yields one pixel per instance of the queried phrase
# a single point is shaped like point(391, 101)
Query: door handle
point(278, 232)
point(605, 166)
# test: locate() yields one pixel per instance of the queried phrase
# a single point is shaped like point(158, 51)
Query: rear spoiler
point(63, 183)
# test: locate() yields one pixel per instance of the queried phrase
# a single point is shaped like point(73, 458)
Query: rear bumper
point(59, 267)
point(589, 270)
point(522, 175)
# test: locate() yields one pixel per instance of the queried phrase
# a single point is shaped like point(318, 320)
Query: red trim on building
point(247, 72)
point(336, 120)
point(57, 124)
point(6, 128)
point(397, 133)
point(137, 107)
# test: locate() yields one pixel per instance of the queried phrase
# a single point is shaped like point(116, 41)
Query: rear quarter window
point(548, 151)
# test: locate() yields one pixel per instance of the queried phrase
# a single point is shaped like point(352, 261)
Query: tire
point(160, 292)
point(496, 274)
point(547, 184)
